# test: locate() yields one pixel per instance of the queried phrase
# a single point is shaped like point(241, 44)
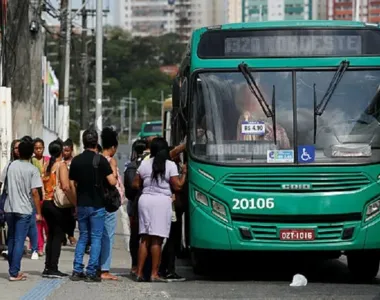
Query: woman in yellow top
point(55, 216)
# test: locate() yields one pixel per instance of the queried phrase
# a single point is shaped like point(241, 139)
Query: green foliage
point(131, 64)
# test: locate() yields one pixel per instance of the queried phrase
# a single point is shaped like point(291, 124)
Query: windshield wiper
point(243, 68)
point(321, 107)
point(253, 87)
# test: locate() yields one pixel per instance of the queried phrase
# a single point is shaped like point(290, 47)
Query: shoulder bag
point(111, 194)
point(60, 198)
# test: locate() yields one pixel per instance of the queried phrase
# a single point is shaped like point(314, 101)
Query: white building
point(144, 17)
point(234, 11)
point(157, 17)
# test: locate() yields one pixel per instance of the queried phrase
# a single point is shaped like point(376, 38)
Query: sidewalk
point(36, 288)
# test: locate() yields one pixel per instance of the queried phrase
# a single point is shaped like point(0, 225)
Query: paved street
point(235, 280)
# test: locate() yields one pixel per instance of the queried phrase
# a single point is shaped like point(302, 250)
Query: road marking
point(43, 289)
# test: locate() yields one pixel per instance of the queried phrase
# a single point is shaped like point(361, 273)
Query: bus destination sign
point(305, 42)
point(306, 45)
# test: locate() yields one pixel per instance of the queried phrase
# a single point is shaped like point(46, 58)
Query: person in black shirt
point(90, 208)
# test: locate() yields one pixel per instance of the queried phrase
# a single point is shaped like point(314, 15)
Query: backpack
point(111, 194)
point(129, 175)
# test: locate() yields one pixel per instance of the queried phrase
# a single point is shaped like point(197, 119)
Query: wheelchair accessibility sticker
point(306, 154)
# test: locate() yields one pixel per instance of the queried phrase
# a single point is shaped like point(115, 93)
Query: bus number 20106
point(259, 203)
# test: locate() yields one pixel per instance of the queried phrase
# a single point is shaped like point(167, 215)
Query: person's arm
point(36, 183)
point(177, 150)
point(113, 165)
point(175, 181)
point(137, 182)
point(106, 170)
point(64, 177)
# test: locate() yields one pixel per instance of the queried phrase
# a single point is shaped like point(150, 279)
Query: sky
point(76, 4)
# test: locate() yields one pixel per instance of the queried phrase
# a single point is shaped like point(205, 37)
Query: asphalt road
point(232, 278)
point(330, 280)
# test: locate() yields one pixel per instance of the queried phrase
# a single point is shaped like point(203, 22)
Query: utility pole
point(62, 44)
point(66, 107)
point(99, 64)
point(84, 89)
point(130, 118)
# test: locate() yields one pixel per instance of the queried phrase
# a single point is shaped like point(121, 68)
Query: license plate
point(297, 234)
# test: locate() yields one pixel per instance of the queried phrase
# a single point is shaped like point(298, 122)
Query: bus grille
point(327, 232)
point(325, 182)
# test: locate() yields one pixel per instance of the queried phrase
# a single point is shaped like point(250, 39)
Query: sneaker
point(174, 277)
point(77, 276)
point(92, 278)
point(54, 274)
point(34, 255)
point(45, 273)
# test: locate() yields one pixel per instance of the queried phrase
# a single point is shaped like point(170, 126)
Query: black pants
point(55, 219)
point(70, 222)
point(171, 246)
point(134, 241)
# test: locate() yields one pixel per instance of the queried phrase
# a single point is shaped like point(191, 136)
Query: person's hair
point(99, 148)
point(55, 150)
point(26, 148)
point(68, 143)
point(138, 148)
point(38, 140)
point(159, 151)
point(149, 140)
point(14, 142)
point(90, 139)
point(27, 138)
point(109, 138)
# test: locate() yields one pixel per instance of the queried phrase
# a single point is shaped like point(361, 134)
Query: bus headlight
point(219, 210)
point(201, 198)
point(373, 210)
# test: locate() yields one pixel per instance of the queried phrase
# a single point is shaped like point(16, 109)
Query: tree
point(131, 64)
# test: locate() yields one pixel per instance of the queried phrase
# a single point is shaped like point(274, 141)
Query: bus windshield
point(229, 126)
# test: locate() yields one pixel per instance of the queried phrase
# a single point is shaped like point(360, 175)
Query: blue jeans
point(18, 226)
point(32, 233)
point(90, 222)
point(107, 241)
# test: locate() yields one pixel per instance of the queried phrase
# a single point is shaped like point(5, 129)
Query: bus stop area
point(229, 280)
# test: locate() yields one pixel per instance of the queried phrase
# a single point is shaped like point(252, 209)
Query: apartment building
point(276, 10)
point(363, 10)
point(157, 17)
point(234, 11)
point(144, 17)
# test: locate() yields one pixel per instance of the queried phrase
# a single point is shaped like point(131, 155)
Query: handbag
point(3, 198)
point(111, 194)
point(60, 198)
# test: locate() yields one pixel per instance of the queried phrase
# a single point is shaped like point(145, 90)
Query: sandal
point(108, 276)
point(73, 241)
point(20, 277)
point(158, 279)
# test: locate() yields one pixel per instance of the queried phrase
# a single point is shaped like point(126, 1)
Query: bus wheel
point(198, 262)
point(364, 266)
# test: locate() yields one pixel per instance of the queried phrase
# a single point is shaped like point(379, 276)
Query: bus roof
point(152, 122)
point(288, 23)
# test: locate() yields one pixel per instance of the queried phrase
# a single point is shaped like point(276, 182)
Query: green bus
point(152, 128)
point(283, 140)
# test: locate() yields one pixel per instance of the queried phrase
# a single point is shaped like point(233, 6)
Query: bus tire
point(364, 266)
point(198, 262)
